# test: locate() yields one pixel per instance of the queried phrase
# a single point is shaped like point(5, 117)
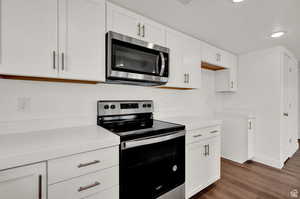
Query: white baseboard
point(276, 163)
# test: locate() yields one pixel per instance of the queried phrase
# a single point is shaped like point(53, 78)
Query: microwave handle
point(163, 64)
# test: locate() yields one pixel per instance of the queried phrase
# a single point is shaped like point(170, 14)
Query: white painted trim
point(269, 161)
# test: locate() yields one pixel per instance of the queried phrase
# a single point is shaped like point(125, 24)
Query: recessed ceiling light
point(277, 34)
point(237, 1)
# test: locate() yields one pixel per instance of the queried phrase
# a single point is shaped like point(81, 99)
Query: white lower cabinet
point(28, 182)
point(93, 175)
point(202, 159)
point(89, 175)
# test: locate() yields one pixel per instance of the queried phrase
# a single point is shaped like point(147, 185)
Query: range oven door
point(130, 59)
point(151, 168)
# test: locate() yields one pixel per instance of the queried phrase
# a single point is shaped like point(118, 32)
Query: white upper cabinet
point(82, 39)
point(185, 60)
point(153, 32)
point(226, 79)
point(53, 39)
point(28, 182)
point(125, 22)
point(28, 38)
point(212, 55)
point(177, 75)
point(192, 61)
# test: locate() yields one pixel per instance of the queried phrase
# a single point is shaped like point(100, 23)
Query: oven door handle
point(163, 64)
point(151, 140)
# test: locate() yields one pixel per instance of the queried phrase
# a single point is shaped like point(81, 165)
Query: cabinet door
point(226, 80)
point(212, 55)
point(196, 175)
point(28, 38)
point(213, 160)
point(82, 39)
point(28, 182)
point(287, 114)
point(251, 134)
point(153, 32)
point(192, 61)
point(123, 21)
point(293, 106)
point(177, 76)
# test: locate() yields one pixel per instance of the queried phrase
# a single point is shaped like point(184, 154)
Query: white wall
point(259, 91)
point(299, 101)
point(55, 105)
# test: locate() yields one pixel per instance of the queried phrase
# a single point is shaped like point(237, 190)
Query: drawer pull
point(213, 132)
point(196, 136)
point(88, 186)
point(88, 164)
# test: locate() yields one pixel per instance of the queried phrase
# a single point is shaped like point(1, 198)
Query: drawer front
point(89, 186)
point(200, 134)
point(112, 193)
point(73, 166)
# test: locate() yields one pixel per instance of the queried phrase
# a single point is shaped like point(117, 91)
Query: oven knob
point(144, 105)
point(175, 168)
point(113, 106)
point(106, 107)
point(149, 105)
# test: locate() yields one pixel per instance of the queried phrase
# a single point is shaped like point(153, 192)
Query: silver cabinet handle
point(143, 30)
point(88, 186)
point(54, 59)
point(286, 114)
point(196, 136)
point(139, 29)
point(232, 84)
point(215, 131)
point(208, 150)
point(250, 125)
point(88, 164)
point(40, 187)
point(184, 81)
point(63, 61)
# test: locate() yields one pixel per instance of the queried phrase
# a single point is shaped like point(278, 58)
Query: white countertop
point(27, 148)
point(193, 122)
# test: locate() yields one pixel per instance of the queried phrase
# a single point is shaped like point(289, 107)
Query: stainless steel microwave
point(133, 61)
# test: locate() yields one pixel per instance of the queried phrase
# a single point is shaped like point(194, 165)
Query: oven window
point(150, 171)
point(132, 58)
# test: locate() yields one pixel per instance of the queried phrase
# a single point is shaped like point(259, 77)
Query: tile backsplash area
point(32, 106)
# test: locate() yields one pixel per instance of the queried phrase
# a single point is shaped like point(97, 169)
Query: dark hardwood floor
point(255, 181)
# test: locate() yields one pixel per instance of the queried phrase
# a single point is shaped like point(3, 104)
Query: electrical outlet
point(23, 104)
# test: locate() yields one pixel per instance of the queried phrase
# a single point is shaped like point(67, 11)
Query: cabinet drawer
point(112, 193)
point(73, 166)
point(200, 134)
point(93, 185)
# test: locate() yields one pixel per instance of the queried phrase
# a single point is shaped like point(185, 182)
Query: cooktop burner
point(132, 119)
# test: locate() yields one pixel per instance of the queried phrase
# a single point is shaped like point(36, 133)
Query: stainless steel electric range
point(152, 152)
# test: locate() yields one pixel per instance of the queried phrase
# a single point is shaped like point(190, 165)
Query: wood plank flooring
point(255, 181)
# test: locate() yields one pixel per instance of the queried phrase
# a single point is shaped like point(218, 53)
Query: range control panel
point(124, 107)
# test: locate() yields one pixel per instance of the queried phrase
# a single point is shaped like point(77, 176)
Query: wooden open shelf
point(209, 66)
point(174, 88)
point(45, 79)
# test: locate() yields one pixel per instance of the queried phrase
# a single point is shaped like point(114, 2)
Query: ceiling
point(238, 28)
